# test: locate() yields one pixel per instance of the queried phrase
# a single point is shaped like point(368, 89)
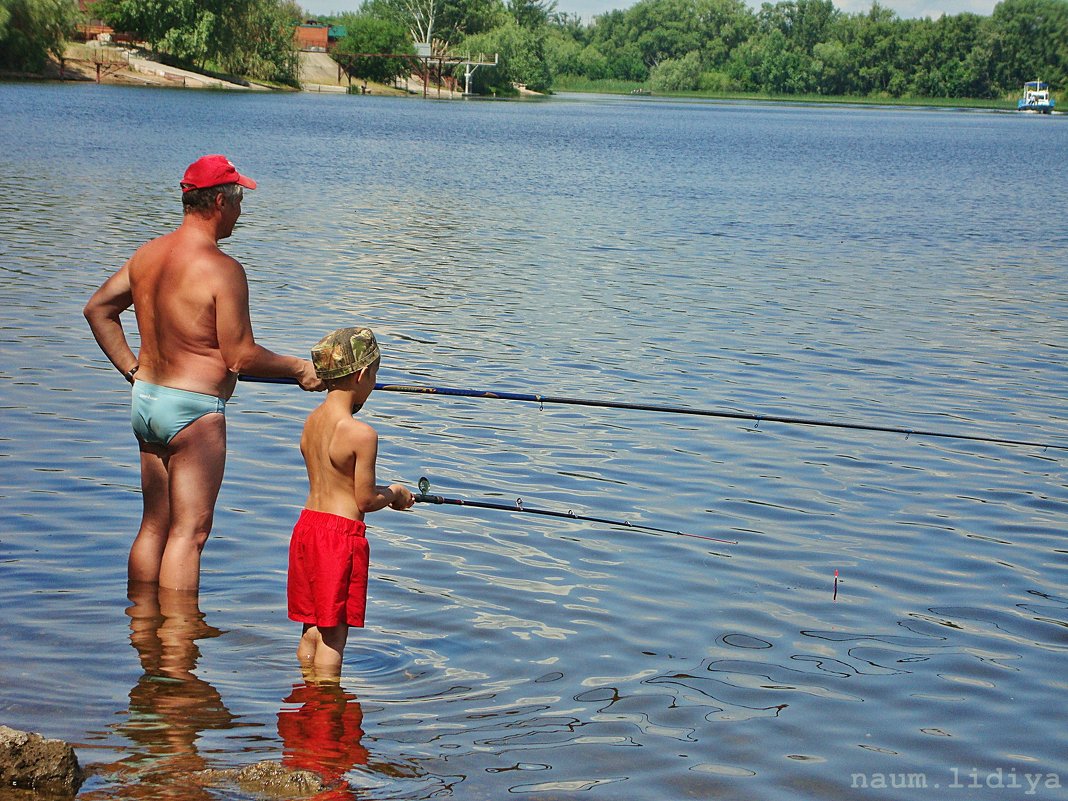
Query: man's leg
point(194, 471)
point(146, 553)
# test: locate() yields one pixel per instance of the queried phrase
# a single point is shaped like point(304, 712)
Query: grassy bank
point(613, 87)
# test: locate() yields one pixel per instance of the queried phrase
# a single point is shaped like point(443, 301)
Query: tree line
point(810, 47)
point(790, 47)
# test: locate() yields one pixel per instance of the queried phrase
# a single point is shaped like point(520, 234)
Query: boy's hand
point(402, 497)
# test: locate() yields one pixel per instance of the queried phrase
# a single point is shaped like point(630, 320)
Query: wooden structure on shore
point(427, 65)
point(106, 60)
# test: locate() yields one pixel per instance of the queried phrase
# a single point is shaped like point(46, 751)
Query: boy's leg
point(146, 553)
point(323, 647)
point(308, 645)
point(195, 472)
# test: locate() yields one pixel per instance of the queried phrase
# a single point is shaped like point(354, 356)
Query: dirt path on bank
point(118, 65)
point(320, 73)
point(109, 64)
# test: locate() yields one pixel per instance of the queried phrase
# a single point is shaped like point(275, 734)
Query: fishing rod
point(425, 497)
point(645, 407)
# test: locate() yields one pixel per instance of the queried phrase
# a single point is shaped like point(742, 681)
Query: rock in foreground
point(270, 779)
point(30, 761)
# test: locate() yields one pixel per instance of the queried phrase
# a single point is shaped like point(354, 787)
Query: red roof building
point(313, 36)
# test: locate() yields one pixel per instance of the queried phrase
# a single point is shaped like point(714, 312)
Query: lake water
point(897, 267)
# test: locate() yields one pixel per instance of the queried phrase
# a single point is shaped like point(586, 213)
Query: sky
point(586, 9)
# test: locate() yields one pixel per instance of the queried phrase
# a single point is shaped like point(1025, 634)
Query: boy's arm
point(370, 496)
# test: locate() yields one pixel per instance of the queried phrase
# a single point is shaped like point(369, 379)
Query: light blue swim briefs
point(159, 413)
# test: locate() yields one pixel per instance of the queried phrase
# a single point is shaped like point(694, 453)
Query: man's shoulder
point(207, 252)
point(177, 250)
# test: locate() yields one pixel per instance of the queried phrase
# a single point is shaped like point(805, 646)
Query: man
point(191, 303)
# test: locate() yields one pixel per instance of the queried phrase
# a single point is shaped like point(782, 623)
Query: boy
point(327, 587)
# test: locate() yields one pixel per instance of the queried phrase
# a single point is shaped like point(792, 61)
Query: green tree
point(595, 65)
point(677, 75)
point(804, 23)
point(443, 21)
point(791, 50)
point(570, 26)
point(663, 29)
point(262, 43)
point(782, 68)
point(531, 14)
point(562, 51)
point(790, 46)
point(613, 38)
point(249, 37)
point(831, 67)
point(152, 20)
point(460, 18)
point(31, 30)
point(636, 40)
point(724, 25)
point(1029, 42)
point(367, 34)
point(521, 54)
point(872, 42)
point(947, 57)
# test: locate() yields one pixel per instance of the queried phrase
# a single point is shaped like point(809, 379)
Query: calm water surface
point(895, 267)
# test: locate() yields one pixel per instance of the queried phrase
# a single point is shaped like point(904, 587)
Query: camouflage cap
point(344, 352)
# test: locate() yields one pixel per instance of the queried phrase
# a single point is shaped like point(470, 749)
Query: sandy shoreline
point(133, 67)
point(319, 73)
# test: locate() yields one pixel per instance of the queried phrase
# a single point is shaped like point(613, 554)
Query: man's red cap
point(209, 171)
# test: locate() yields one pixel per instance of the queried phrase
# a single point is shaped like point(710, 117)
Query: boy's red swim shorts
point(328, 558)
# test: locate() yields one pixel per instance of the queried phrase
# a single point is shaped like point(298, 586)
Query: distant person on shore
point(192, 308)
point(328, 553)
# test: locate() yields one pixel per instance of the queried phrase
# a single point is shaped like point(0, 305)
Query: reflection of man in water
point(169, 706)
point(323, 734)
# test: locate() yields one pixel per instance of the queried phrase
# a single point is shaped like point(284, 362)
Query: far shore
point(642, 91)
point(320, 74)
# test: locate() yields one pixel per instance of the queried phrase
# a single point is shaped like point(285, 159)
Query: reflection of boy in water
point(169, 706)
point(323, 735)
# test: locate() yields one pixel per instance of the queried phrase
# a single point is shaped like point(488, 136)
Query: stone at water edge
point(28, 760)
point(269, 779)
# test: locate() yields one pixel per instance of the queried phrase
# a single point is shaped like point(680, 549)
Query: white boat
point(1036, 98)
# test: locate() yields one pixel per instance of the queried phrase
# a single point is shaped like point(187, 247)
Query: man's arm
point(102, 312)
point(233, 326)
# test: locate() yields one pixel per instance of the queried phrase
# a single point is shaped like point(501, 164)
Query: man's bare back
point(176, 282)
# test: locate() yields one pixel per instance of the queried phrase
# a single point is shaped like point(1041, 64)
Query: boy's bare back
point(339, 453)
